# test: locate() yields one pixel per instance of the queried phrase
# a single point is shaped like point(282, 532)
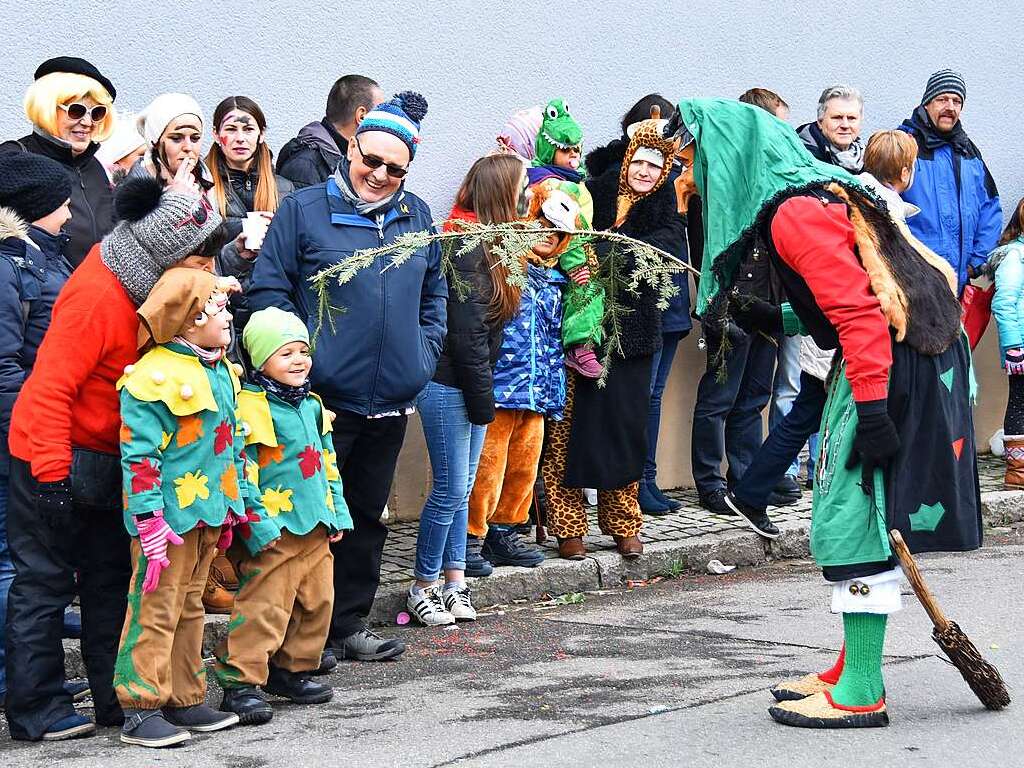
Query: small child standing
point(558, 153)
point(282, 611)
point(183, 480)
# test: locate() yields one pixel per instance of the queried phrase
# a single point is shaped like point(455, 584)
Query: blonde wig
point(43, 96)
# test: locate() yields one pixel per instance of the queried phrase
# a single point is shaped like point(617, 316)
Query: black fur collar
point(648, 213)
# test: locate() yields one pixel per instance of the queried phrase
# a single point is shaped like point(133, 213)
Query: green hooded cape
point(745, 160)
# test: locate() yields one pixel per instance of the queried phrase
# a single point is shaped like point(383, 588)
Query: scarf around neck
point(341, 178)
point(921, 126)
point(208, 356)
point(291, 395)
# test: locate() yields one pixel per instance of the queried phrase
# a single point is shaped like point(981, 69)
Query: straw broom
point(983, 678)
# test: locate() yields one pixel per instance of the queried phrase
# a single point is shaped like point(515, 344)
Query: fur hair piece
point(12, 225)
point(137, 197)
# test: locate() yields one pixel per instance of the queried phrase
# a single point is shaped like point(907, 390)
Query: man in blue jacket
point(382, 347)
point(960, 217)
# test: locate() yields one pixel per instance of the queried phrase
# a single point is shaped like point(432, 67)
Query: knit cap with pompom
point(401, 116)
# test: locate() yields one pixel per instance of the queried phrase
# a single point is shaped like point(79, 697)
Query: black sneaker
point(248, 704)
point(756, 518)
point(714, 501)
point(296, 687)
point(328, 662)
point(477, 565)
point(149, 728)
point(200, 718)
point(503, 547)
point(364, 645)
point(785, 493)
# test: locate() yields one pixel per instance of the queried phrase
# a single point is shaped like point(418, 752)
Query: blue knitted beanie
point(400, 117)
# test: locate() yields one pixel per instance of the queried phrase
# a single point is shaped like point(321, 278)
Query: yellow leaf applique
point(252, 472)
point(125, 434)
point(190, 429)
point(331, 465)
point(276, 501)
point(190, 487)
point(165, 440)
point(229, 482)
point(330, 500)
point(266, 454)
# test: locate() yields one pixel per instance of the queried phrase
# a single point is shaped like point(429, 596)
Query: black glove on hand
point(53, 502)
point(875, 442)
point(755, 314)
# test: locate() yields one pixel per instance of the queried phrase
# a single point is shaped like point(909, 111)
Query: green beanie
point(270, 329)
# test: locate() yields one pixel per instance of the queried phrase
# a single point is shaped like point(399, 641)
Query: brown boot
point(218, 597)
point(572, 549)
point(1014, 446)
point(630, 547)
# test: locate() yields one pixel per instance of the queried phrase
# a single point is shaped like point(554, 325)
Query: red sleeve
point(817, 241)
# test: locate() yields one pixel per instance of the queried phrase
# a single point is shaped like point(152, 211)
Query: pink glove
point(154, 533)
point(1014, 362)
point(227, 530)
point(580, 275)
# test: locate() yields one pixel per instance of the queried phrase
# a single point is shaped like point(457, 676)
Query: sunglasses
point(373, 163)
point(77, 110)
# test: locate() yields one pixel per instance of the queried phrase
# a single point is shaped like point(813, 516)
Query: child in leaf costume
point(184, 485)
point(282, 612)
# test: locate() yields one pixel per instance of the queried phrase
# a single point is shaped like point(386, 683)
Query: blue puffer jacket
point(385, 342)
point(530, 372)
point(30, 279)
point(1007, 264)
point(960, 217)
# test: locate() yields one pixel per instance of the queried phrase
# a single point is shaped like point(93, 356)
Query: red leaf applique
point(224, 435)
point(145, 477)
point(310, 461)
point(244, 528)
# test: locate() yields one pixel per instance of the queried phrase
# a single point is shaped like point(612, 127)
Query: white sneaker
point(590, 495)
point(428, 608)
point(458, 604)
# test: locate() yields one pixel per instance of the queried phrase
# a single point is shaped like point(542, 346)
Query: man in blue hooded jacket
point(960, 216)
point(383, 345)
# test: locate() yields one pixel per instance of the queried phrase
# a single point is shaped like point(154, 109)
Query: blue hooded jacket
point(387, 337)
point(960, 217)
point(1007, 268)
point(529, 374)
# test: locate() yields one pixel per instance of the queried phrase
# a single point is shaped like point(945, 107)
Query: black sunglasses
point(373, 163)
point(78, 110)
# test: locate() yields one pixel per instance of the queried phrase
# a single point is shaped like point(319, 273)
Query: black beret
point(75, 66)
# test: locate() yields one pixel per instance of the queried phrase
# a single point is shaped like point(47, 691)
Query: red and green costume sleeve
point(817, 241)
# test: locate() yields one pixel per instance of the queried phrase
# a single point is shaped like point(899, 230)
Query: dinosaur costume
point(897, 436)
point(583, 308)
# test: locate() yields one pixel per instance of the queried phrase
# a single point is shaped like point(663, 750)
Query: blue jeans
point(783, 443)
point(727, 416)
point(6, 577)
point(787, 385)
point(454, 446)
point(660, 370)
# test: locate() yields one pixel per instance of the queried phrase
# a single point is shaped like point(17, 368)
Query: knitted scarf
point(291, 395)
point(208, 356)
point(341, 177)
point(921, 127)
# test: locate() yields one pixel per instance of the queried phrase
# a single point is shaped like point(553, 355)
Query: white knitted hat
point(155, 118)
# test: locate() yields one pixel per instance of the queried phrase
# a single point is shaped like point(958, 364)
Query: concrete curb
point(606, 570)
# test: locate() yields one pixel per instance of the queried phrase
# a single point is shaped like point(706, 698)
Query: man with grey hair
point(835, 136)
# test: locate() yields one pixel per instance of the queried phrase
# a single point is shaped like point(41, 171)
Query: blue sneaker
point(476, 565)
point(70, 727)
point(72, 625)
point(78, 690)
point(504, 547)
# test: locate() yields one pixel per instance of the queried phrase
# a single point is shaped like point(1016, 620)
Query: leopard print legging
point(618, 512)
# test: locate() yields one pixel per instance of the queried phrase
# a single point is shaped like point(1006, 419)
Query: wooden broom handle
point(917, 581)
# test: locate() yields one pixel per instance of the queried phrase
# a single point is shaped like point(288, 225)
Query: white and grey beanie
point(155, 229)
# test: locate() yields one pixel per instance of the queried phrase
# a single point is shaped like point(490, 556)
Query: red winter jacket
point(70, 398)
point(817, 241)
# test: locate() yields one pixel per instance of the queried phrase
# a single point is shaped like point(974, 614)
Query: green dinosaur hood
point(745, 161)
point(558, 130)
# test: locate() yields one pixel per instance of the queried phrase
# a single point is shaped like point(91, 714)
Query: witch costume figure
point(897, 437)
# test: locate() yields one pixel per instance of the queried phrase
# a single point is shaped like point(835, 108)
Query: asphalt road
point(672, 674)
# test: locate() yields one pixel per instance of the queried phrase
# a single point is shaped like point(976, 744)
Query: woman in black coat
point(71, 107)
point(602, 443)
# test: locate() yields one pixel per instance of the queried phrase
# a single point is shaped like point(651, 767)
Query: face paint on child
point(290, 364)
point(239, 136)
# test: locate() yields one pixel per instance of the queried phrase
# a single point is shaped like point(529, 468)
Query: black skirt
point(608, 437)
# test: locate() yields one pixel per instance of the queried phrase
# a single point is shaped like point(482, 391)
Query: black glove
point(875, 442)
point(53, 503)
point(754, 314)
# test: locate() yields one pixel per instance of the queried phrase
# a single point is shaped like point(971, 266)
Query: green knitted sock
point(860, 684)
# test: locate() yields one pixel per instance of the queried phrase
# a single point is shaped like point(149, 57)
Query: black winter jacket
point(92, 198)
point(654, 220)
point(472, 345)
point(311, 157)
point(31, 276)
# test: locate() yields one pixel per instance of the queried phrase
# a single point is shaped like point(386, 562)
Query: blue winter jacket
point(31, 276)
point(960, 217)
point(386, 338)
point(530, 372)
point(1007, 262)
